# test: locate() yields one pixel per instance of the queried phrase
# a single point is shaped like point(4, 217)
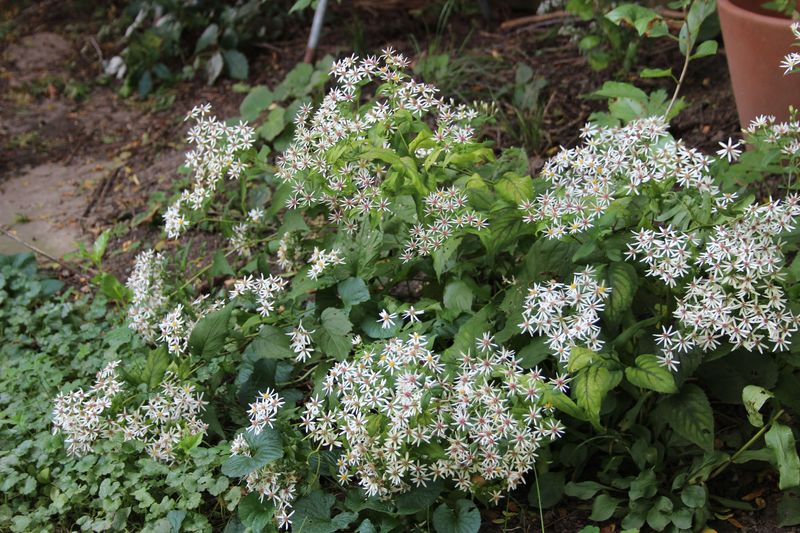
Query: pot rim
point(738, 11)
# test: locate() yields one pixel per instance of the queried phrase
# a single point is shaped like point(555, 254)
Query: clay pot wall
point(756, 41)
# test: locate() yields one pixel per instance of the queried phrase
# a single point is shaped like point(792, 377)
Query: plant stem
point(539, 498)
point(680, 82)
point(682, 76)
point(746, 445)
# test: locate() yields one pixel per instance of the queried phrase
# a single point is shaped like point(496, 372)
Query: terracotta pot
point(756, 41)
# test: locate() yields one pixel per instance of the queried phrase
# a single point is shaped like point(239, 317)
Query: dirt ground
point(71, 167)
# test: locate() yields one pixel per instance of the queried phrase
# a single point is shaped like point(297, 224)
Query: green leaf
point(265, 448)
point(353, 291)
point(405, 166)
point(603, 507)
point(145, 85)
point(514, 188)
point(373, 329)
point(590, 386)
point(214, 67)
point(523, 74)
point(458, 296)
point(689, 414)
point(113, 289)
point(464, 519)
point(236, 63)
point(534, 352)
point(300, 5)
point(336, 346)
point(473, 328)
point(274, 124)
point(694, 496)
point(419, 499)
point(255, 514)
point(644, 486)
point(583, 490)
point(366, 527)
point(636, 517)
point(655, 73)
point(580, 358)
point(698, 12)
point(155, 367)
point(780, 440)
point(650, 374)
point(335, 321)
point(706, 48)
point(754, 398)
point(646, 21)
point(444, 257)
point(565, 404)
point(207, 38)
point(682, 518)
point(616, 89)
point(624, 282)
point(256, 374)
point(585, 252)
point(312, 514)
point(589, 42)
point(271, 343)
point(296, 82)
point(209, 334)
point(660, 514)
point(257, 100)
point(99, 247)
point(175, 519)
point(221, 266)
point(333, 337)
point(292, 221)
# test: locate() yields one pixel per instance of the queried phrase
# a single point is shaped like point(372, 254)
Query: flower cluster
point(175, 330)
point(320, 260)
point(287, 257)
point(165, 419)
point(239, 241)
point(176, 325)
point(567, 314)
point(79, 414)
point(361, 139)
point(264, 289)
point(301, 343)
point(449, 211)
point(262, 412)
point(666, 252)
point(146, 283)
point(615, 162)
point(214, 156)
point(274, 481)
point(767, 131)
point(393, 404)
point(740, 297)
point(277, 484)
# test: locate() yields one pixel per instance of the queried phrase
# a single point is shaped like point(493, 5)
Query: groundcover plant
point(403, 325)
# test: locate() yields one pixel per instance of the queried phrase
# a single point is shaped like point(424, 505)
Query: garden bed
point(103, 163)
